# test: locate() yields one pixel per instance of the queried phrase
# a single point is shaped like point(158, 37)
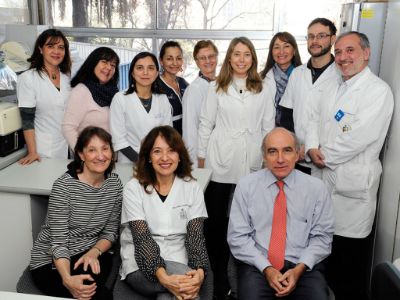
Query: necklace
point(53, 75)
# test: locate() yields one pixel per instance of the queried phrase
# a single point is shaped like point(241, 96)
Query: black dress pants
point(217, 199)
point(347, 267)
point(252, 284)
point(49, 281)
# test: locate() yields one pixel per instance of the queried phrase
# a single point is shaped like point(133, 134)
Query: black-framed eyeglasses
point(318, 36)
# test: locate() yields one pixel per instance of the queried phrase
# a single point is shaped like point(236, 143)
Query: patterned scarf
point(281, 79)
point(102, 93)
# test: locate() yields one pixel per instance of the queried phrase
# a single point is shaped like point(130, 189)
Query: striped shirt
point(78, 216)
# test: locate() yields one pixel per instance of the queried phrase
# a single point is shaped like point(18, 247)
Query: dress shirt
point(309, 223)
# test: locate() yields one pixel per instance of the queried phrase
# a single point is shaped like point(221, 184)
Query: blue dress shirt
point(309, 223)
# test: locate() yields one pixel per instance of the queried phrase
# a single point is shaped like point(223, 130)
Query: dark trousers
point(347, 268)
point(49, 281)
point(217, 198)
point(252, 284)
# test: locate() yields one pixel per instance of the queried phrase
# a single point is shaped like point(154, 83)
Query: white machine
point(11, 136)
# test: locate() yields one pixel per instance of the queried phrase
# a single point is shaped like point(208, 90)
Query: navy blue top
point(174, 99)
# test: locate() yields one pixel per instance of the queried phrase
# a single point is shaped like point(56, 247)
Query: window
point(12, 12)
point(131, 26)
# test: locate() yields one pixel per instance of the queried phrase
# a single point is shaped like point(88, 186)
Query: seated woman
point(93, 88)
point(162, 245)
point(140, 108)
point(69, 257)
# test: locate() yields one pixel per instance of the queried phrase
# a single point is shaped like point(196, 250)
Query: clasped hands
point(185, 286)
point(284, 283)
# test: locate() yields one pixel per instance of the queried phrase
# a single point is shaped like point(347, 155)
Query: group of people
point(261, 134)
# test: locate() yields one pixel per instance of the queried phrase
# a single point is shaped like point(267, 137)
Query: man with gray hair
point(344, 140)
point(280, 226)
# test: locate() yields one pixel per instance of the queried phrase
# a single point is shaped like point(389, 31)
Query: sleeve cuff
point(109, 237)
point(60, 252)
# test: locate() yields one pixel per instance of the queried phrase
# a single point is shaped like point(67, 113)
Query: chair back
point(385, 284)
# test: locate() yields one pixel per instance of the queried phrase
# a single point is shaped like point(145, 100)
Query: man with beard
point(346, 134)
point(308, 80)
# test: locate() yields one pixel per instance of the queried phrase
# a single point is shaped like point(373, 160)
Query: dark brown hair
point(50, 37)
point(287, 38)
point(86, 71)
point(145, 173)
point(83, 140)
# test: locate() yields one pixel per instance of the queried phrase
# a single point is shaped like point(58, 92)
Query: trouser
point(217, 199)
point(347, 268)
point(252, 284)
point(145, 287)
point(49, 281)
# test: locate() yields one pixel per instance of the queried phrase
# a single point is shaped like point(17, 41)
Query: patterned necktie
point(276, 251)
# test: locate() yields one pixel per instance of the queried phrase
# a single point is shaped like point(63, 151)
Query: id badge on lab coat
point(345, 120)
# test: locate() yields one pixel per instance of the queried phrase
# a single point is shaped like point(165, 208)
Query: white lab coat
point(270, 83)
point(38, 91)
point(130, 122)
point(167, 221)
point(232, 127)
point(301, 95)
point(351, 147)
point(192, 100)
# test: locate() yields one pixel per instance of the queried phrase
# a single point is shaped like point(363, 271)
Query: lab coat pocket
point(352, 180)
point(255, 154)
point(180, 213)
point(221, 151)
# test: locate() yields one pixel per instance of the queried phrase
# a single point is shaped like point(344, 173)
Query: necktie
point(276, 251)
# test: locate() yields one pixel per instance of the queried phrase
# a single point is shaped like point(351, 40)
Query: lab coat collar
point(352, 82)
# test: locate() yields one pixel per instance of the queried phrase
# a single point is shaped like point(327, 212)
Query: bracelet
point(100, 253)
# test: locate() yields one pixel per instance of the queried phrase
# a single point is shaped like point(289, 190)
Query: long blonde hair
point(225, 77)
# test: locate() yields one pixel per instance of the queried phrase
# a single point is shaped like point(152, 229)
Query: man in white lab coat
point(345, 137)
point(308, 80)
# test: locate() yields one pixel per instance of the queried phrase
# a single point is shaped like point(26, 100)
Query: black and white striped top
point(78, 216)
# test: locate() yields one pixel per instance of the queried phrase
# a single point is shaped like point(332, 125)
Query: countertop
point(38, 177)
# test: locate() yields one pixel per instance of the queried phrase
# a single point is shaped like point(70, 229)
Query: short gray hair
point(296, 140)
point(364, 41)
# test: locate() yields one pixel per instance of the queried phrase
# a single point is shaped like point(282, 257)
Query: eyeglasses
point(319, 36)
point(205, 58)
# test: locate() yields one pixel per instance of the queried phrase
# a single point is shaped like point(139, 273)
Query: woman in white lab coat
point(42, 93)
point(234, 119)
point(93, 88)
point(162, 244)
point(136, 111)
point(205, 54)
point(283, 57)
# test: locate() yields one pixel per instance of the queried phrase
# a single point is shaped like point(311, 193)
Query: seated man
point(281, 226)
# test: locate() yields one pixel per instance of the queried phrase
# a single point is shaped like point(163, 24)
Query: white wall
point(387, 244)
